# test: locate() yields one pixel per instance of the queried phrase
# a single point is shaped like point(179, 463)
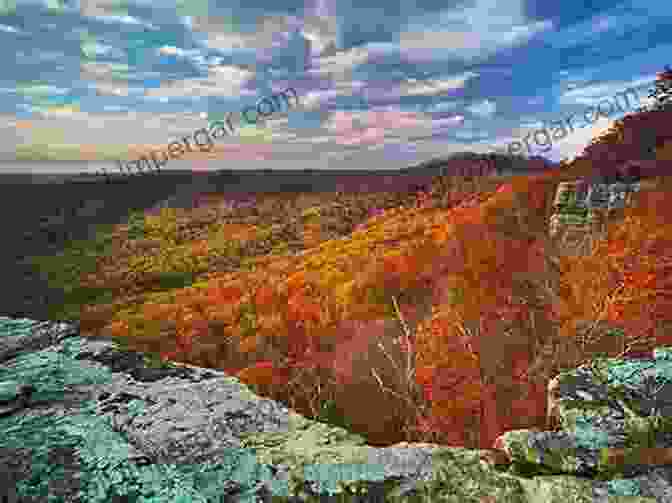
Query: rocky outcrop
point(83, 421)
point(614, 422)
point(581, 207)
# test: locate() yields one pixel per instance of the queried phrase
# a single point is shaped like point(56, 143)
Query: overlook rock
point(83, 421)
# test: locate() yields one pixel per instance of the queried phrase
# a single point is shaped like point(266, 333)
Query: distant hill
point(474, 164)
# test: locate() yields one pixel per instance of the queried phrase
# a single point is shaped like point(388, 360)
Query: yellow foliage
point(343, 292)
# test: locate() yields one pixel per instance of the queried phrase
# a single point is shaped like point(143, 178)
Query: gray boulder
point(613, 422)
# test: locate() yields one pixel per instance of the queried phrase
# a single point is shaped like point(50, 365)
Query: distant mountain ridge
point(474, 164)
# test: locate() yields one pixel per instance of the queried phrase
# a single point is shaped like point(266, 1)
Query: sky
point(380, 84)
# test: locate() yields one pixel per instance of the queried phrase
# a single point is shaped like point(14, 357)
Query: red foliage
point(265, 376)
point(483, 266)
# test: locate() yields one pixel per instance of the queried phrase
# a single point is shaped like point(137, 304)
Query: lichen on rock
point(87, 421)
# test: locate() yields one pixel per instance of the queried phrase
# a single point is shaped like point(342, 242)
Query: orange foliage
point(264, 375)
point(301, 308)
point(485, 273)
point(265, 299)
point(626, 280)
point(482, 266)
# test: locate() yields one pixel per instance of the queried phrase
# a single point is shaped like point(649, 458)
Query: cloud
point(221, 81)
point(314, 100)
point(574, 143)
point(473, 32)
point(322, 33)
point(108, 79)
point(618, 21)
point(91, 48)
point(432, 87)
point(340, 63)
point(169, 50)
point(592, 94)
point(443, 106)
point(354, 128)
point(103, 8)
point(9, 29)
point(357, 75)
point(484, 109)
point(224, 33)
point(126, 20)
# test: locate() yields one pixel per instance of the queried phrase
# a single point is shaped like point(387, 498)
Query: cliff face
point(581, 207)
point(87, 422)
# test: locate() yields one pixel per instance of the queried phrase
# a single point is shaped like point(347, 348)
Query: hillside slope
point(446, 310)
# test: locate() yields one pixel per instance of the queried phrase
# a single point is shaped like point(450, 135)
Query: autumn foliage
point(445, 311)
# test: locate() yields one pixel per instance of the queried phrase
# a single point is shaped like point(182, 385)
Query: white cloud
point(107, 79)
point(221, 81)
point(227, 41)
point(476, 31)
point(574, 143)
point(318, 139)
point(431, 87)
point(341, 62)
point(95, 8)
point(313, 99)
point(444, 106)
point(112, 89)
point(484, 109)
point(591, 95)
point(449, 122)
point(125, 20)
point(469, 44)
point(9, 29)
point(221, 32)
point(169, 50)
point(322, 33)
